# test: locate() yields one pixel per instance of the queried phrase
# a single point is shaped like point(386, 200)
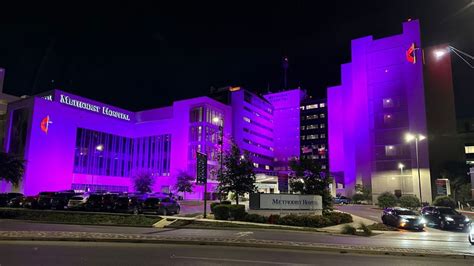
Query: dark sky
point(141, 56)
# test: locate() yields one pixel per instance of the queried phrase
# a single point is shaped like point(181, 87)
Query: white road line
point(235, 260)
point(242, 234)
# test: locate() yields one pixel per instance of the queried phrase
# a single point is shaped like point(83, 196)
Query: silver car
point(77, 202)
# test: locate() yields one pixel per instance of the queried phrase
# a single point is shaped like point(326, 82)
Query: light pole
point(417, 138)
point(463, 55)
point(401, 166)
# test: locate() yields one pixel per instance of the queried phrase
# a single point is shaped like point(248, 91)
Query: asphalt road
point(77, 253)
point(455, 242)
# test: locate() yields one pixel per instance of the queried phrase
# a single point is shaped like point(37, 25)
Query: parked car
point(403, 218)
point(341, 200)
point(161, 205)
point(60, 200)
point(128, 204)
point(100, 202)
point(17, 201)
point(6, 197)
point(45, 199)
point(31, 202)
point(445, 218)
point(77, 202)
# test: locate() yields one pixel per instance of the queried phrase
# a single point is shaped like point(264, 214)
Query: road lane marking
point(235, 260)
point(243, 234)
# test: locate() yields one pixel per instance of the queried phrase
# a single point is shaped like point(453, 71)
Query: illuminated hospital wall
point(70, 142)
point(380, 99)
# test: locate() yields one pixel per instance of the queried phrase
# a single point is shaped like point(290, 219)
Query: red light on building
point(410, 54)
point(45, 124)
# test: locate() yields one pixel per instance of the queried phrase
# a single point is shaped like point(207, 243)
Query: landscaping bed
point(71, 217)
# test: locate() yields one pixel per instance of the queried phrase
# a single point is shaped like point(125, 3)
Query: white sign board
point(290, 202)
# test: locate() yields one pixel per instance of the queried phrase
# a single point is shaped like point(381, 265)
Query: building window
point(196, 114)
point(310, 117)
point(322, 125)
point(311, 106)
point(323, 156)
point(387, 102)
point(302, 108)
point(390, 150)
point(323, 136)
point(312, 127)
point(387, 118)
point(311, 136)
point(267, 167)
point(303, 137)
point(323, 166)
point(246, 119)
point(255, 165)
point(469, 149)
point(322, 105)
point(302, 128)
point(322, 115)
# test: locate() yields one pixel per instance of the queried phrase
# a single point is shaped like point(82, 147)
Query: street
point(76, 253)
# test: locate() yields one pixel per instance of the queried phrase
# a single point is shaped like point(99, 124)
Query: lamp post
point(417, 138)
point(463, 55)
point(401, 166)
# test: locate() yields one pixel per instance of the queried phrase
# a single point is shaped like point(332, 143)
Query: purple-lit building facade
point(70, 142)
point(386, 91)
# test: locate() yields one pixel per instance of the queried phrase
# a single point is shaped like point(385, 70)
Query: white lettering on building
point(92, 107)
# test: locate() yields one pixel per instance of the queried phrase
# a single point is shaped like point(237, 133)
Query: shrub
point(444, 201)
point(221, 212)
point(226, 202)
point(386, 200)
point(304, 220)
point(273, 219)
point(409, 201)
point(348, 230)
point(255, 218)
point(237, 212)
point(367, 231)
point(381, 227)
point(291, 219)
point(357, 198)
point(338, 217)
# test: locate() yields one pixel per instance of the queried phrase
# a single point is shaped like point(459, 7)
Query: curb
point(336, 248)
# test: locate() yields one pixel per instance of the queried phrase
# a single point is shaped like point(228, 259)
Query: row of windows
point(257, 114)
point(257, 155)
point(314, 136)
point(313, 126)
point(95, 187)
point(313, 116)
point(248, 120)
point(258, 145)
point(257, 134)
point(255, 101)
point(208, 115)
point(469, 149)
point(314, 157)
point(313, 106)
point(99, 153)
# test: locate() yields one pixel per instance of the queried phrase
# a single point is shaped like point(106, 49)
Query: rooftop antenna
point(285, 72)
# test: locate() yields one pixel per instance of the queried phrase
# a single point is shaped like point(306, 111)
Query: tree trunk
point(237, 199)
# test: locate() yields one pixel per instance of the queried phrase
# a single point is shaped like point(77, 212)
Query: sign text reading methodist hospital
point(65, 99)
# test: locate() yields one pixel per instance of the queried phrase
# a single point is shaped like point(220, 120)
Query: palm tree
point(11, 168)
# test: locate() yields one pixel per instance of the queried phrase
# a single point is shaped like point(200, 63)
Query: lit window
point(311, 126)
point(322, 115)
point(323, 156)
point(246, 119)
point(323, 136)
point(312, 137)
point(267, 167)
point(322, 105)
point(255, 165)
point(303, 137)
point(311, 106)
point(310, 117)
point(387, 102)
point(469, 149)
point(322, 125)
point(387, 118)
point(301, 107)
point(390, 150)
point(323, 166)
point(302, 128)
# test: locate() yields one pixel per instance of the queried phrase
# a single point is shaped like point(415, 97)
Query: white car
point(77, 202)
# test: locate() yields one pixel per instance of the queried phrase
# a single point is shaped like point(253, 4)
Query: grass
point(71, 217)
point(381, 227)
point(223, 225)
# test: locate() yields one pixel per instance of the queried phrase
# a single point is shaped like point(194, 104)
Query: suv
point(61, 199)
point(45, 199)
point(128, 204)
point(17, 201)
point(403, 218)
point(342, 200)
point(445, 218)
point(5, 198)
point(161, 205)
point(100, 202)
point(77, 202)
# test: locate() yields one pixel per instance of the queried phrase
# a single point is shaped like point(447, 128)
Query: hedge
point(214, 204)
point(409, 201)
point(78, 217)
point(237, 212)
point(318, 221)
point(221, 212)
point(444, 201)
point(386, 200)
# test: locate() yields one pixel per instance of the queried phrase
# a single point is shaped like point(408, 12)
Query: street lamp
point(416, 137)
point(401, 166)
point(441, 52)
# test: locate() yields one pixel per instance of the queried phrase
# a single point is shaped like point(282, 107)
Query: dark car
point(5, 198)
point(30, 202)
point(403, 218)
point(445, 218)
point(128, 204)
point(100, 202)
point(61, 199)
point(45, 199)
point(341, 200)
point(17, 201)
point(161, 205)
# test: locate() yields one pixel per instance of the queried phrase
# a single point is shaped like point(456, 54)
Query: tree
point(387, 200)
point(238, 175)
point(456, 172)
point(12, 168)
point(306, 177)
point(409, 201)
point(365, 191)
point(184, 183)
point(444, 201)
point(143, 182)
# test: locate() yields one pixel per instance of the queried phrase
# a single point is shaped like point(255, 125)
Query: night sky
point(142, 56)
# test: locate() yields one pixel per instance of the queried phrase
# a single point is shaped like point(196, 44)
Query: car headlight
point(467, 220)
point(404, 220)
point(423, 221)
point(449, 219)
